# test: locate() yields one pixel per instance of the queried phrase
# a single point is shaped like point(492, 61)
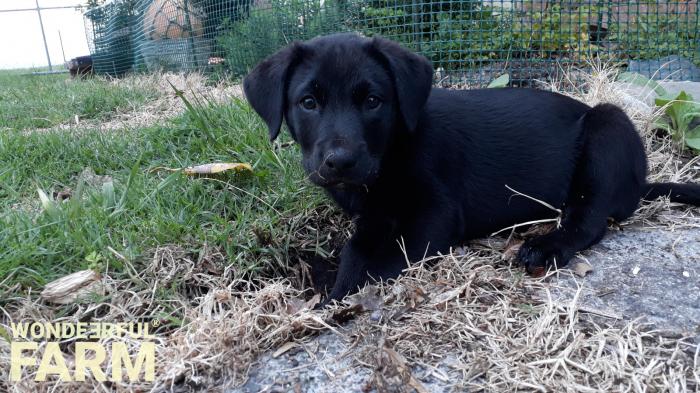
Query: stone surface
point(316, 366)
point(647, 95)
point(667, 68)
point(647, 274)
point(324, 364)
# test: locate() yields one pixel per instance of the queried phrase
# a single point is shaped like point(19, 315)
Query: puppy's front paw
point(542, 253)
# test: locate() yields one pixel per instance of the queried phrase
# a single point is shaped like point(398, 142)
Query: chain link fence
point(469, 42)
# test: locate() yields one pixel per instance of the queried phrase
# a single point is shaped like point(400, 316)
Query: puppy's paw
point(542, 253)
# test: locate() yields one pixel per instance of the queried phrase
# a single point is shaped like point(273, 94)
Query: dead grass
point(165, 106)
point(470, 310)
point(483, 316)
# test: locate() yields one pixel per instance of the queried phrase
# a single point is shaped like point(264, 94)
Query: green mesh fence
point(469, 42)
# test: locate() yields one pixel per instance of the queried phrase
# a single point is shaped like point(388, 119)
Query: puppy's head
point(343, 98)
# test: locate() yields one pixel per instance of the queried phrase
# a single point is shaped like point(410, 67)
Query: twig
point(535, 199)
point(543, 203)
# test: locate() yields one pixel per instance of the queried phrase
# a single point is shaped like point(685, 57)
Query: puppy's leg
point(583, 226)
point(609, 177)
point(358, 264)
point(374, 251)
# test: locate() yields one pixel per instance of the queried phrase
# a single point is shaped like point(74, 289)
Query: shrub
point(454, 33)
point(656, 33)
point(462, 34)
point(265, 30)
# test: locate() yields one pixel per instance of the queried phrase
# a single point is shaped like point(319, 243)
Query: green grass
point(146, 209)
point(42, 101)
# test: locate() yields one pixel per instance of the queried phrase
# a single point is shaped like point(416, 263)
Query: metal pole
point(43, 8)
point(60, 39)
point(41, 23)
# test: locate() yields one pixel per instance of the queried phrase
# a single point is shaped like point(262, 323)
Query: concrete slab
point(648, 274)
point(318, 366)
point(672, 67)
point(647, 95)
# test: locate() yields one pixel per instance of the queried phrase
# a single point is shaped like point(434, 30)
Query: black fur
point(431, 166)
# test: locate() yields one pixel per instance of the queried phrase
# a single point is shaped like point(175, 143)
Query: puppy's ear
point(265, 86)
point(413, 77)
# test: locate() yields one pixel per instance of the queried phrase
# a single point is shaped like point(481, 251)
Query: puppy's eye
point(309, 103)
point(373, 102)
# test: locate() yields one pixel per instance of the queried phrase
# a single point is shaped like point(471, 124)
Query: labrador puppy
point(422, 169)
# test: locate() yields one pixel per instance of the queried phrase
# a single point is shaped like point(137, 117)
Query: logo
point(137, 364)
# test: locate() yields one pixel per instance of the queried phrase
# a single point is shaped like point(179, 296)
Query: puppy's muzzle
point(339, 161)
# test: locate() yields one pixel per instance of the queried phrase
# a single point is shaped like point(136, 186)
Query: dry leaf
point(581, 268)
point(393, 371)
point(284, 348)
point(311, 303)
point(369, 299)
point(440, 300)
point(62, 195)
point(72, 287)
point(294, 305)
point(347, 313)
point(90, 178)
point(511, 250)
point(208, 169)
point(222, 296)
point(539, 230)
point(416, 296)
point(460, 251)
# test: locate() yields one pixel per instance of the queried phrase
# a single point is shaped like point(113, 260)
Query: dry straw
point(470, 311)
point(163, 106)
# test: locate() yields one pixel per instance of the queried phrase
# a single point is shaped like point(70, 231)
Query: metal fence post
point(41, 24)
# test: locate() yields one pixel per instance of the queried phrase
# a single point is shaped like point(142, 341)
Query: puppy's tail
point(687, 193)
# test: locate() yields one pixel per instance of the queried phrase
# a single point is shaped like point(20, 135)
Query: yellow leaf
point(207, 169)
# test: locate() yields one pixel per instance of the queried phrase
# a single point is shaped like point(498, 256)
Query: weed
point(681, 118)
point(681, 114)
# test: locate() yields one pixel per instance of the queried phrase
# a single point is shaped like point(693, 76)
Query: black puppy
point(434, 167)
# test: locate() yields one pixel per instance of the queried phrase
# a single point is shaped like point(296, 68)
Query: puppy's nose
point(340, 160)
